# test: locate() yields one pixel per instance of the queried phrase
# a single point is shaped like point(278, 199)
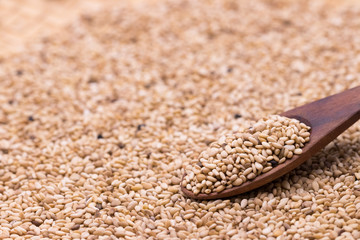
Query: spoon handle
point(330, 116)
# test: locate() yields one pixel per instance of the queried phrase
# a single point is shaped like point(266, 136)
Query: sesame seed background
point(98, 121)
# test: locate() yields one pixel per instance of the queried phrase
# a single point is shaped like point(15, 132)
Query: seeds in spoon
point(240, 157)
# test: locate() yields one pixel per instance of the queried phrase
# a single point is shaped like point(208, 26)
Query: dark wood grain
point(328, 118)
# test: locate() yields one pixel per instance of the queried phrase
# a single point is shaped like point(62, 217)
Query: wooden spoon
point(327, 117)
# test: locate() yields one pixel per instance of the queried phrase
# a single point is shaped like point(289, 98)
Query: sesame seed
point(236, 116)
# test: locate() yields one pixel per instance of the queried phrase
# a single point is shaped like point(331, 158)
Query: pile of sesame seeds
point(98, 122)
point(237, 158)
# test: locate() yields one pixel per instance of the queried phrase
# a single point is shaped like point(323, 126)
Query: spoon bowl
point(327, 117)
